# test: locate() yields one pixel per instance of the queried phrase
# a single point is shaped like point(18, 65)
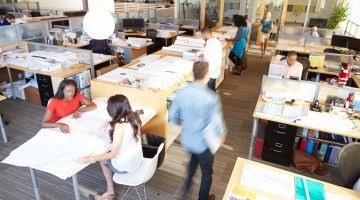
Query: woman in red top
point(66, 101)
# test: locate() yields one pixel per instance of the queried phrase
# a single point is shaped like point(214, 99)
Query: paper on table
point(332, 196)
point(268, 180)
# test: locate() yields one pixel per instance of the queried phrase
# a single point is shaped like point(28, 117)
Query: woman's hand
point(64, 127)
point(76, 114)
point(87, 159)
point(227, 39)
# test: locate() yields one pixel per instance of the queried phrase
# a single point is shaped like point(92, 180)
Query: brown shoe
point(212, 197)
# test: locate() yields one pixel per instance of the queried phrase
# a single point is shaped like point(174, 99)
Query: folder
point(327, 154)
point(309, 147)
point(303, 144)
point(306, 189)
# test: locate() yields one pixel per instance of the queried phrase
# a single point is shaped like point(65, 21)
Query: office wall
point(318, 9)
point(59, 4)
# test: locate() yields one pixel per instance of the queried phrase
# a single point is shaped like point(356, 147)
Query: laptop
point(276, 71)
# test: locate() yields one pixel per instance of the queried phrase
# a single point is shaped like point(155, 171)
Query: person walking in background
point(265, 28)
point(196, 108)
point(237, 54)
point(212, 55)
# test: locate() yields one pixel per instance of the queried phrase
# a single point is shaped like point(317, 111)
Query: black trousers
point(205, 160)
point(212, 84)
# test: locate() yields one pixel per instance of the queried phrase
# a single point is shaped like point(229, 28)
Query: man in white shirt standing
point(212, 55)
point(292, 68)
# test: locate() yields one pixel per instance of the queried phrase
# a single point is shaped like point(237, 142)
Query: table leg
point(253, 136)
point(11, 82)
point(35, 184)
point(2, 129)
point(166, 42)
point(76, 187)
point(317, 79)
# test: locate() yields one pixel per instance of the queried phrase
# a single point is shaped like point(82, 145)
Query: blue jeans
point(206, 160)
point(108, 162)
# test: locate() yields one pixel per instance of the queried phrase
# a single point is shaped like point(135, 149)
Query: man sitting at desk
point(292, 68)
point(312, 33)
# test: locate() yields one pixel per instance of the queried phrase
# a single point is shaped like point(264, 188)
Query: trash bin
point(150, 145)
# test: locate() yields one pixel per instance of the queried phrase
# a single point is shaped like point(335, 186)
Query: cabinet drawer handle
point(283, 126)
point(278, 145)
point(278, 151)
point(280, 132)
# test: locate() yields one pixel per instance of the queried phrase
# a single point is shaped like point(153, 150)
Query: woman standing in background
point(237, 54)
point(266, 27)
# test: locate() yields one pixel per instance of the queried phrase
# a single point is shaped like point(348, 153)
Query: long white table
point(58, 153)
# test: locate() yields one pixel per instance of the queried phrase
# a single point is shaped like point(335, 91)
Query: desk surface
point(132, 47)
point(106, 58)
point(78, 45)
point(326, 122)
point(60, 73)
point(58, 153)
point(238, 168)
point(2, 97)
point(143, 34)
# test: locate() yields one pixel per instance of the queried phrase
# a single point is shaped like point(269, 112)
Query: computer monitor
point(339, 41)
point(276, 71)
point(354, 44)
point(139, 24)
point(128, 23)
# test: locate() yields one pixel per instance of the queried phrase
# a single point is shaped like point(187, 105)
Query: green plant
point(338, 14)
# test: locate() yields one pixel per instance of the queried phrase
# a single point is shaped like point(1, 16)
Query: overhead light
point(99, 24)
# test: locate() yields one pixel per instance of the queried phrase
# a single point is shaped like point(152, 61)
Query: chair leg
point(125, 196)
point(144, 192)
point(137, 192)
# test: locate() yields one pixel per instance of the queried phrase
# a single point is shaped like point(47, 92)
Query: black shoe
point(4, 120)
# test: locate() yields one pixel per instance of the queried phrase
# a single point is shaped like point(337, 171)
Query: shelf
point(322, 140)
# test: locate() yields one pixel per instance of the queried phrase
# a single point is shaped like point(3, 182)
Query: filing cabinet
point(279, 143)
point(45, 88)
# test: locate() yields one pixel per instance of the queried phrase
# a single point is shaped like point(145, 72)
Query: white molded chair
point(140, 176)
point(349, 163)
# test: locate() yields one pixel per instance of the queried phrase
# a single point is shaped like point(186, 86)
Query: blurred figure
point(212, 55)
point(292, 68)
point(265, 28)
point(248, 25)
point(312, 33)
point(195, 108)
point(237, 54)
point(4, 21)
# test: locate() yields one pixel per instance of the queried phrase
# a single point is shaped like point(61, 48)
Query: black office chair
point(151, 34)
point(305, 63)
point(330, 50)
point(100, 46)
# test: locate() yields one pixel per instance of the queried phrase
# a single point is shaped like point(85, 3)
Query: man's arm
point(175, 112)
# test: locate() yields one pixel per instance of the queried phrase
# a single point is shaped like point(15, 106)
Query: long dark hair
point(60, 92)
point(239, 20)
point(120, 111)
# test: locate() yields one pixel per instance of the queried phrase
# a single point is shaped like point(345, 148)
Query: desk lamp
point(99, 24)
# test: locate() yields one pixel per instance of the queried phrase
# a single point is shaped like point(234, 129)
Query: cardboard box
point(32, 95)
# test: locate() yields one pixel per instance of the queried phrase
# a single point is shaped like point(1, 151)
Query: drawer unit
point(279, 142)
point(45, 88)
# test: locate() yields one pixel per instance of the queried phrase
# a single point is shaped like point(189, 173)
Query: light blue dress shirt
point(192, 108)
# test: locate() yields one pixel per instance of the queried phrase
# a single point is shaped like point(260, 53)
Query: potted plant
point(338, 14)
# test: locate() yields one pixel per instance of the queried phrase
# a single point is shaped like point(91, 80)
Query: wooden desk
point(106, 59)
point(238, 168)
point(321, 125)
point(2, 126)
point(78, 45)
point(142, 34)
point(131, 53)
point(300, 49)
point(356, 80)
point(153, 99)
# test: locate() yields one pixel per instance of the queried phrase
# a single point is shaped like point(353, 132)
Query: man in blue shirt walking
point(193, 109)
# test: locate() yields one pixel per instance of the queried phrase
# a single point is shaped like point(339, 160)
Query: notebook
point(306, 189)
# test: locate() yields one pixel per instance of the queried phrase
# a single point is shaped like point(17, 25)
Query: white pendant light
point(99, 24)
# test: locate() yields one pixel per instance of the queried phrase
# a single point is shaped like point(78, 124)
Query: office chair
point(305, 63)
point(349, 163)
point(330, 50)
point(140, 176)
point(100, 46)
point(151, 34)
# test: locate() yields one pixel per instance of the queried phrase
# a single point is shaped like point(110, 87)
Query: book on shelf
point(334, 154)
point(314, 153)
point(321, 154)
point(303, 144)
point(309, 146)
point(311, 133)
point(327, 154)
point(305, 132)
